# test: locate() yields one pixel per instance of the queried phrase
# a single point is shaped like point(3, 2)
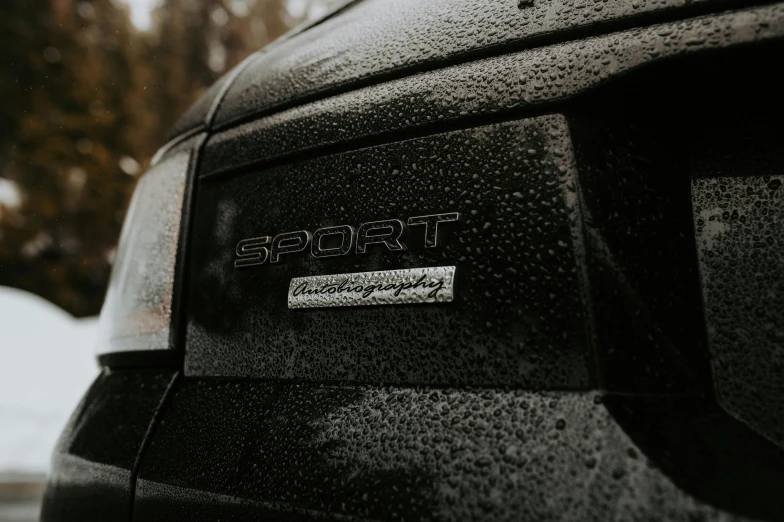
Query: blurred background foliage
point(86, 98)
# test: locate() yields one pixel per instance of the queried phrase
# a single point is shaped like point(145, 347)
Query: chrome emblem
point(415, 285)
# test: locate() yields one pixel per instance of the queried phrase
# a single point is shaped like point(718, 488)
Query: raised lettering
point(289, 243)
point(346, 232)
point(387, 232)
point(252, 251)
point(431, 225)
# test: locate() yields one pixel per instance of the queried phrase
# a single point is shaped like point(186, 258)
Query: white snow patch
point(10, 196)
point(47, 362)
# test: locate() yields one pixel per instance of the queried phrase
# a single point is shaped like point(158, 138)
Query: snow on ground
point(47, 362)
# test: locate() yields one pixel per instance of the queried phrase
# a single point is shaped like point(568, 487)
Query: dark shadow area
point(705, 451)
point(641, 141)
point(244, 449)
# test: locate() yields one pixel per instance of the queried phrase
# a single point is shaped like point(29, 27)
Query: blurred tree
point(84, 102)
point(194, 42)
point(69, 122)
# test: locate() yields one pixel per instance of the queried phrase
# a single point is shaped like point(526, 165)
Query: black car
point(441, 260)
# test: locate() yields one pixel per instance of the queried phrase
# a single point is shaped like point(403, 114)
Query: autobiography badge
point(385, 287)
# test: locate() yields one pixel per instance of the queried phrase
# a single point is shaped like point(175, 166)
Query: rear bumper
point(216, 449)
point(94, 463)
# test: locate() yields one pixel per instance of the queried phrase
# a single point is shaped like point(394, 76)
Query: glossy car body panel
point(640, 110)
point(518, 319)
point(377, 40)
point(94, 465)
point(475, 91)
point(309, 451)
point(738, 220)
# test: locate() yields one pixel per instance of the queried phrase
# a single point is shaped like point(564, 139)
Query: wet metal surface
point(388, 287)
point(517, 317)
point(738, 224)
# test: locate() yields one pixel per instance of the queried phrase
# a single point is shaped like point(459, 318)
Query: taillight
point(137, 312)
